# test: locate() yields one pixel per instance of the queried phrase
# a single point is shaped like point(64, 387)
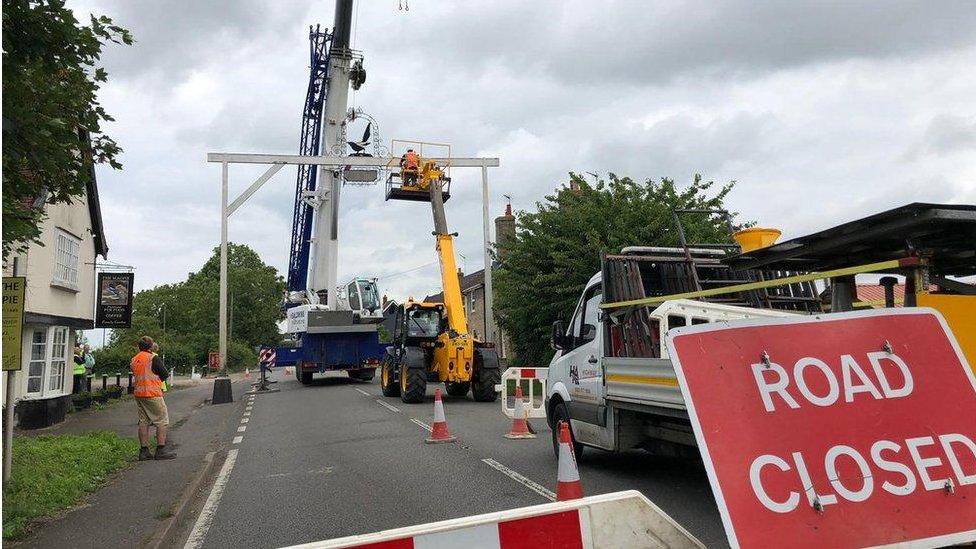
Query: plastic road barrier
point(620, 519)
point(533, 383)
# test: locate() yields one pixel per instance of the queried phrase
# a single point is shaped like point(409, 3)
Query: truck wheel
point(413, 376)
point(561, 413)
point(302, 375)
point(388, 383)
point(458, 389)
point(487, 375)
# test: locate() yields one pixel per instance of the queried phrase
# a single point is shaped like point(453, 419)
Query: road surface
point(337, 458)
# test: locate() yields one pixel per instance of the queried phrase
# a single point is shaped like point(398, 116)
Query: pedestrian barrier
point(532, 381)
point(520, 427)
point(568, 485)
point(620, 519)
point(439, 431)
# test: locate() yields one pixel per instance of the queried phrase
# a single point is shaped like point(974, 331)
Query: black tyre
point(486, 375)
point(561, 413)
point(413, 376)
point(363, 375)
point(459, 389)
point(388, 381)
point(304, 376)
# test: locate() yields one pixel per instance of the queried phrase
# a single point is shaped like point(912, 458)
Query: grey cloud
point(949, 133)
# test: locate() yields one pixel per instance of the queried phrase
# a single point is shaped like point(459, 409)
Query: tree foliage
point(557, 248)
point(183, 318)
point(51, 114)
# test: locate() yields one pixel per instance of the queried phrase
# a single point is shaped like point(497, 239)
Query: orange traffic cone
point(247, 373)
point(520, 427)
point(287, 370)
point(567, 479)
point(439, 432)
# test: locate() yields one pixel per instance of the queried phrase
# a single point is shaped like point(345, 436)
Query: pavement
point(336, 458)
point(139, 501)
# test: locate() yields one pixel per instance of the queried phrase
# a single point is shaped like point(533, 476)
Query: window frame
point(65, 274)
point(52, 367)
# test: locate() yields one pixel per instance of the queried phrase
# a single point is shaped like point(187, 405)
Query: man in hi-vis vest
point(148, 373)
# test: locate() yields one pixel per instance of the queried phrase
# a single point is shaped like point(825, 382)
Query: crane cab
point(360, 296)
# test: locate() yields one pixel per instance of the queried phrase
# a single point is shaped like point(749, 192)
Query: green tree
point(557, 248)
point(51, 114)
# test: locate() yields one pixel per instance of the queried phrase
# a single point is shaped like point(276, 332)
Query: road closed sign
point(846, 430)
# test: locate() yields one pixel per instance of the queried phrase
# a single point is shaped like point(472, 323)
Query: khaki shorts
point(152, 411)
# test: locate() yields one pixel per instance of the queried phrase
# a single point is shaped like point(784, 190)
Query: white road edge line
point(247, 414)
point(238, 439)
point(422, 424)
point(362, 392)
point(387, 406)
point(206, 517)
point(528, 483)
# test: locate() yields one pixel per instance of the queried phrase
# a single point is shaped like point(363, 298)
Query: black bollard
point(88, 383)
point(104, 381)
point(130, 388)
point(118, 379)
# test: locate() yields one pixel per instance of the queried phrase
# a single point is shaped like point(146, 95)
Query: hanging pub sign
point(114, 305)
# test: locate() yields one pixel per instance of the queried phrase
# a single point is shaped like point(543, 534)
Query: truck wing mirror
point(558, 338)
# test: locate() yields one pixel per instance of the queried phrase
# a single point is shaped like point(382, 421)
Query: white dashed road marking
point(362, 392)
point(244, 420)
point(242, 428)
point(238, 439)
point(422, 424)
point(530, 484)
point(247, 414)
point(206, 517)
point(387, 406)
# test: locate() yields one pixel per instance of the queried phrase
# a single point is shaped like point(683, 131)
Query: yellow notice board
point(13, 320)
point(960, 313)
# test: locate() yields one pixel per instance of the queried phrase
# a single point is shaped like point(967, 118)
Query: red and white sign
point(267, 356)
point(620, 519)
point(213, 360)
point(845, 430)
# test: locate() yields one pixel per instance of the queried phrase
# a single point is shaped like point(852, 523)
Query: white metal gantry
point(328, 265)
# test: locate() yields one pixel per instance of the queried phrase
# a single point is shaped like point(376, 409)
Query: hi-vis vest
point(147, 383)
point(79, 369)
point(411, 160)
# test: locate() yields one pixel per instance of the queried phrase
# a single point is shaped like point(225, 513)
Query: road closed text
point(853, 471)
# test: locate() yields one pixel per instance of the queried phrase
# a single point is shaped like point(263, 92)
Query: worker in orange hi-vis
point(149, 372)
point(409, 167)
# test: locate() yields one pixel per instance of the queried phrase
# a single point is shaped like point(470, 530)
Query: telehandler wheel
point(413, 376)
point(458, 389)
point(486, 375)
point(304, 377)
point(388, 383)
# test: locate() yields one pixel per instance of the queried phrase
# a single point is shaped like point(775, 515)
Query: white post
point(222, 349)
point(8, 425)
point(489, 295)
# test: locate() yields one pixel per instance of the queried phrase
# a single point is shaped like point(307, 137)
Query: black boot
point(144, 453)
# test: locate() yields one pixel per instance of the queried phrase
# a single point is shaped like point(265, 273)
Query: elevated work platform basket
point(396, 190)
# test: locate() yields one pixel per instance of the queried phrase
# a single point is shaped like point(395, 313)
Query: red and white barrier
point(533, 384)
point(621, 519)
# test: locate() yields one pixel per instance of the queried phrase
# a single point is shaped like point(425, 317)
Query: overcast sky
point(821, 112)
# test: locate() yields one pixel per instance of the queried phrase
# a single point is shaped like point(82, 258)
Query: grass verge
point(52, 473)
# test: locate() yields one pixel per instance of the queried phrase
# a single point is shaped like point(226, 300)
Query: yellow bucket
point(755, 238)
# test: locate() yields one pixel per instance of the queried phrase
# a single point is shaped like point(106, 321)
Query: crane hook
point(401, 5)
point(407, 3)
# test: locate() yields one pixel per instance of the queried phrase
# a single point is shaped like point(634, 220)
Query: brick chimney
point(504, 232)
